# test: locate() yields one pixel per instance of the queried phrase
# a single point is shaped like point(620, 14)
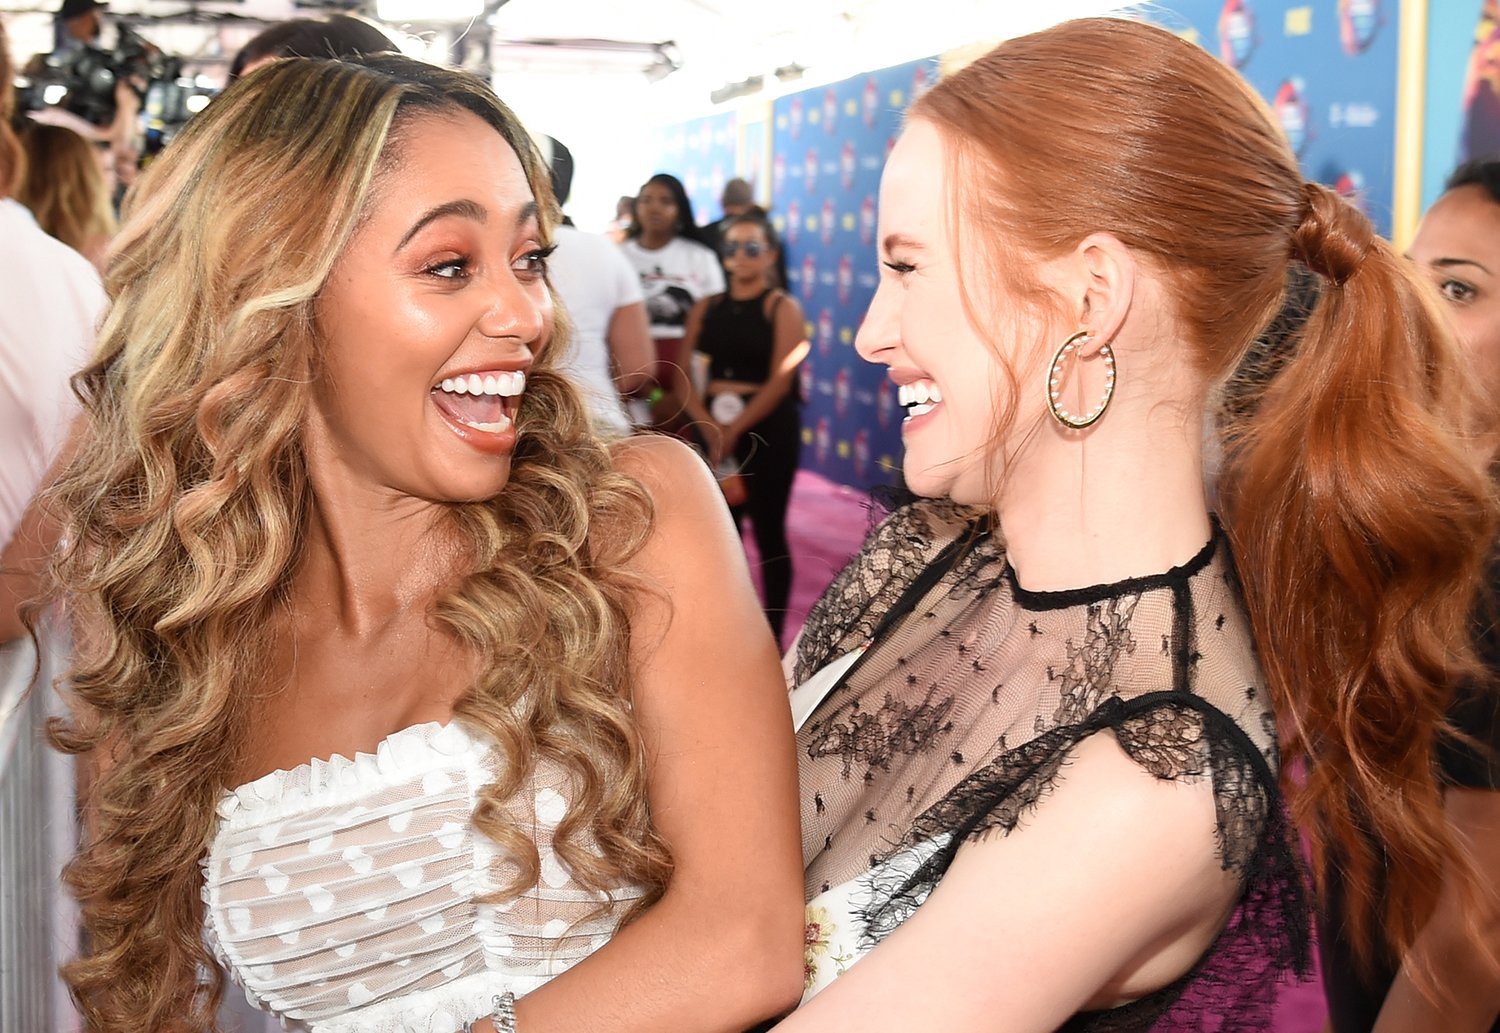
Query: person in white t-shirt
point(609, 355)
point(50, 299)
point(676, 269)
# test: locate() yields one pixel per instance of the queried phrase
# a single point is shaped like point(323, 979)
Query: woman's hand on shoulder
point(1110, 889)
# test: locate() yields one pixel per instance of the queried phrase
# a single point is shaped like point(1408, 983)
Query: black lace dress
point(955, 699)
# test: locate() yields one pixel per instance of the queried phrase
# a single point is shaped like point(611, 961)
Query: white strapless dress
point(344, 895)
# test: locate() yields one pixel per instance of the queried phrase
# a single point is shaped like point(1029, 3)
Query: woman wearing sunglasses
point(754, 338)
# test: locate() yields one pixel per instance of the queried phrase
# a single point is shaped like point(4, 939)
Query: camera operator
point(105, 82)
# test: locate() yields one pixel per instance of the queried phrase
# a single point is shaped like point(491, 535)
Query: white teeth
point(918, 393)
point(492, 428)
point(506, 384)
point(921, 409)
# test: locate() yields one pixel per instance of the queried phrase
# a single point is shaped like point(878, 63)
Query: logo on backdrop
point(826, 222)
point(870, 102)
point(919, 82)
point(793, 221)
point(885, 402)
point(861, 452)
point(1359, 22)
point(846, 165)
point(805, 381)
point(867, 220)
point(846, 278)
point(830, 111)
point(822, 439)
point(809, 276)
point(1236, 33)
point(778, 172)
point(841, 392)
point(825, 331)
point(795, 117)
point(810, 168)
point(1290, 105)
point(1351, 184)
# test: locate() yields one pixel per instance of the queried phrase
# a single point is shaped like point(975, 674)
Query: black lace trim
point(1059, 600)
point(867, 589)
point(1173, 736)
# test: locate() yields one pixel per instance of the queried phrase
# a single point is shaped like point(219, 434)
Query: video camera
point(81, 78)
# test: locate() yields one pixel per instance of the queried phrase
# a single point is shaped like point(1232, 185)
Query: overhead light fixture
point(789, 72)
point(406, 11)
point(655, 60)
point(743, 88)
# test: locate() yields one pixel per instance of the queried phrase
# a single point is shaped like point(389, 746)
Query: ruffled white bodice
point(343, 894)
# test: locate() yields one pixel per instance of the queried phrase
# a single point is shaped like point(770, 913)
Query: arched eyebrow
point(464, 209)
point(901, 240)
point(1449, 263)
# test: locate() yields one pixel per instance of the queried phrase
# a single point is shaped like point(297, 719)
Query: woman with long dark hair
point(753, 337)
point(677, 270)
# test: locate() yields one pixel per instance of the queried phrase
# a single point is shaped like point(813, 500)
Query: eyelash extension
point(461, 264)
point(539, 256)
point(901, 268)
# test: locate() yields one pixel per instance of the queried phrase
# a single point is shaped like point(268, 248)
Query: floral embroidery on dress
point(817, 942)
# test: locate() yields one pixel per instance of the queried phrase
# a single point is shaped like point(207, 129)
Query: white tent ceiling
point(600, 99)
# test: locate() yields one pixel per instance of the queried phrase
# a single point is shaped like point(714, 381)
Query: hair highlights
point(1358, 518)
point(188, 498)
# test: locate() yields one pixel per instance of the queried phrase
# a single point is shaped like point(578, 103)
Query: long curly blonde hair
point(187, 501)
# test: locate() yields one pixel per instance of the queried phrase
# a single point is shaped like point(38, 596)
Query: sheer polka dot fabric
point(342, 895)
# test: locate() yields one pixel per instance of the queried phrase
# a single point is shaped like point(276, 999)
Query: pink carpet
point(825, 526)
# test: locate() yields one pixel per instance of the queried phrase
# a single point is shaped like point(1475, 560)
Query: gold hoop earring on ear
point(1054, 383)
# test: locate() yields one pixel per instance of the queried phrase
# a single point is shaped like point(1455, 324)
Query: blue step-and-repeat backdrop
point(1328, 70)
point(828, 146)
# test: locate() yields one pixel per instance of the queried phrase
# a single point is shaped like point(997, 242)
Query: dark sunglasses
point(753, 248)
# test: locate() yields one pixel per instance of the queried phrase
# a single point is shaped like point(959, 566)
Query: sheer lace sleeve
point(959, 719)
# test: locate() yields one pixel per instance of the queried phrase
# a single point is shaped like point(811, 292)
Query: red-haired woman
point(1043, 712)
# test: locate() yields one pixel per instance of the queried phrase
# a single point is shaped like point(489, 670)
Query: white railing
point(38, 832)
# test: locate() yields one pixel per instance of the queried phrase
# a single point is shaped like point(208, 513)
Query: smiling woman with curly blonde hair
point(332, 501)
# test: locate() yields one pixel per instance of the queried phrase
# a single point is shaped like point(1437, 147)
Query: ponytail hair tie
point(1333, 237)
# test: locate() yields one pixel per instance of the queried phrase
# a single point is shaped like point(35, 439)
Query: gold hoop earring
point(1054, 384)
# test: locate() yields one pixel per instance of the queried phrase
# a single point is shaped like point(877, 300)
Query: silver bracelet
point(504, 1013)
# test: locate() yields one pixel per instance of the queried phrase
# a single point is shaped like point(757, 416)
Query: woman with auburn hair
point(64, 188)
point(330, 499)
point(1043, 712)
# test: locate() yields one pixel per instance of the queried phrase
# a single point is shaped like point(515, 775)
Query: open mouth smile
point(487, 401)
